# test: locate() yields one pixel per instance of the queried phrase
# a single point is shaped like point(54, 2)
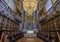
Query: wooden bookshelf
point(8, 24)
point(51, 25)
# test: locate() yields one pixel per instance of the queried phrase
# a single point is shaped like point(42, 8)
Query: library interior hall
point(29, 20)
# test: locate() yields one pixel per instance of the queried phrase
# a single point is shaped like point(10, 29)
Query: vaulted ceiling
point(30, 6)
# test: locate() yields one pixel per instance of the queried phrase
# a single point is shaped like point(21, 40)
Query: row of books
point(52, 25)
point(8, 24)
point(7, 17)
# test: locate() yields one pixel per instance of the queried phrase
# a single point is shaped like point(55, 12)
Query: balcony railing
point(18, 18)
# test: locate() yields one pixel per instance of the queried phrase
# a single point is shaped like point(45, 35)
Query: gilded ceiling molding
point(30, 6)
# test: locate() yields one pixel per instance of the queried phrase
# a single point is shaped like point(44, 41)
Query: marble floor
point(30, 40)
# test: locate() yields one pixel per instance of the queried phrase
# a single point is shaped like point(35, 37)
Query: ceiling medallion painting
point(30, 6)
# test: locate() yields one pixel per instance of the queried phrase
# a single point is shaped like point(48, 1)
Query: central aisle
point(30, 40)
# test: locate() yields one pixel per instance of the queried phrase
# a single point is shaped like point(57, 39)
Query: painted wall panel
point(53, 1)
point(58, 7)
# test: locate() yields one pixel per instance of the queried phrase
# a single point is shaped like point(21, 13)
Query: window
point(7, 1)
point(10, 4)
point(48, 5)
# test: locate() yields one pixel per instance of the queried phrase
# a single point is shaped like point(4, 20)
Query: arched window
point(10, 4)
point(7, 1)
point(48, 5)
